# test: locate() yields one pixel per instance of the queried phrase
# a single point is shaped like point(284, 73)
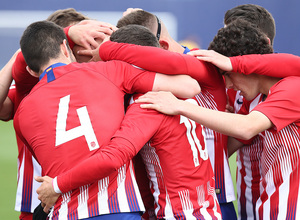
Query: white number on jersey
point(85, 129)
point(192, 137)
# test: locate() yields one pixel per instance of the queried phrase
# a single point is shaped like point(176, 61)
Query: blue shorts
point(119, 216)
point(228, 211)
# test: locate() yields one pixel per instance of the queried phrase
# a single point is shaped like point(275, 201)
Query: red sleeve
point(160, 60)
point(276, 65)
point(282, 105)
point(133, 134)
point(131, 79)
point(23, 80)
point(71, 43)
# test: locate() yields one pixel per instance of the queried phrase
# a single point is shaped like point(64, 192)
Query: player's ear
point(33, 73)
point(164, 44)
point(65, 48)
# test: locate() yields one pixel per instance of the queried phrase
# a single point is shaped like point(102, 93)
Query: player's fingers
point(39, 179)
point(148, 106)
point(85, 52)
point(47, 208)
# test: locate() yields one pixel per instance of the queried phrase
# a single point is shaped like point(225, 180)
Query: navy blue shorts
point(228, 211)
point(119, 216)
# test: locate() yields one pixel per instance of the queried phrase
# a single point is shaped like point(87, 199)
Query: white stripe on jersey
point(230, 194)
point(255, 102)
point(278, 158)
point(187, 205)
point(201, 201)
point(63, 210)
point(35, 185)
point(20, 184)
point(123, 205)
point(103, 195)
point(136, 188)
point(212, 192)
point(205, 99)
point(283, 196)
point(82, 209)
point(168, 209)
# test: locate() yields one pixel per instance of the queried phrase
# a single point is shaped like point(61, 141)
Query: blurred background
point(187, 20)
point(192, 22)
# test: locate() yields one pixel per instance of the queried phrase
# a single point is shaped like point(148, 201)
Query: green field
point(8, 171)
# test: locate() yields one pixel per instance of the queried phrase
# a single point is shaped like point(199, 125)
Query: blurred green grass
point(8, 171)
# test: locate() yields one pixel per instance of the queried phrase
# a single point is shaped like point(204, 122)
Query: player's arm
point(233, 145)
point(162, 61)
point(182, 86)
point(134, 132)
point(136, 80)
point(6, 105)
point(240, 126)
point(276, 65)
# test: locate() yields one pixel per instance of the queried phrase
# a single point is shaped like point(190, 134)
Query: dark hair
point(135, 34)
point(66, 17)
point(240, 37)
point(139, 17)
point(41, 42)
point(255, 14)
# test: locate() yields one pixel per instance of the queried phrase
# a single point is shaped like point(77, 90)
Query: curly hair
point(239, 38)
point(254, 14)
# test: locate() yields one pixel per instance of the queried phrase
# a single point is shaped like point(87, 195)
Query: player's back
point(179, 168)
point(74, 110)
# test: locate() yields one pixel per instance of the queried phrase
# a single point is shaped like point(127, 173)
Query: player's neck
point(266, 82)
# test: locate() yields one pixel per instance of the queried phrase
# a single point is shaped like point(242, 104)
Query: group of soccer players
point(72, 123)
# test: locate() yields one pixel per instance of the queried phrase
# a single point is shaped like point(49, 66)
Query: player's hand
point(219, 60)
point(164, 102)
point(46, 193)
point(88, 32)
point(93, 53)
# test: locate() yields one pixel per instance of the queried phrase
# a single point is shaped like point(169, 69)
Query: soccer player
point(80, 101)
point(26, 197)
point(183, 187)
point(277, 116)
point(212, 96)
point(248, 156)
point(66, 17)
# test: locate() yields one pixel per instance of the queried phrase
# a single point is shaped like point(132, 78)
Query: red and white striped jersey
point(28, 167)
point(178, 166)
point(176, 159)
point(212, 96)
point(280, 157)
point(279, 197)
point(248, 161)
point(82, 107)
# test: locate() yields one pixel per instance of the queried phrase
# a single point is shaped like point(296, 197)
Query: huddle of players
point(194, 197)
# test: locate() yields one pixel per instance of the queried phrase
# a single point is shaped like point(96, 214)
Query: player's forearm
point(230, 124)
point(98, 166)
point(161, 61)
point(5, 80)
point(276, 65)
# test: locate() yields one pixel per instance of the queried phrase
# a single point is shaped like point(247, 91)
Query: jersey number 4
point(85, 129)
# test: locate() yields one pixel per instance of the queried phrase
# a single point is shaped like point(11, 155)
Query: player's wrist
point(55, 186)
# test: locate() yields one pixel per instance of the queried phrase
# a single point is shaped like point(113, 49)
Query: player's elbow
point(195, 88)
point(246, 133)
